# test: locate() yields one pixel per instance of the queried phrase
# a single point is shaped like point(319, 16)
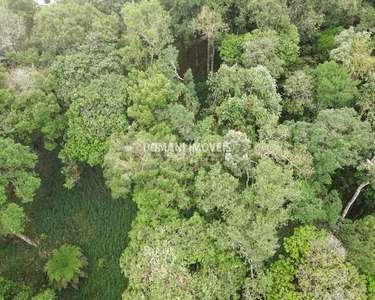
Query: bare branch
point(355, 196)
point(26, 239)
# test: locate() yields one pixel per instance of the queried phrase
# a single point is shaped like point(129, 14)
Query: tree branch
point(176, 72)
point(351, 202)
point(26, 239)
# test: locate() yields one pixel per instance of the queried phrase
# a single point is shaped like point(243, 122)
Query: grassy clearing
point(86, 216)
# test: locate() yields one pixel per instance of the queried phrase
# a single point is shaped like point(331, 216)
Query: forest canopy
point(194, 150)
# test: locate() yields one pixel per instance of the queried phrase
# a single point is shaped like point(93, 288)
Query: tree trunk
point(355, 196)
point(212, 57)
point(26, 239)
point(208, 57)
point(196, 55)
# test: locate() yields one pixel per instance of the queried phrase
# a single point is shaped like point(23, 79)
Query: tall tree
point(147, 26)
point(211, 26)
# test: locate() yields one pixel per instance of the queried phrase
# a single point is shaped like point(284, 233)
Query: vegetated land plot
point(85, 216)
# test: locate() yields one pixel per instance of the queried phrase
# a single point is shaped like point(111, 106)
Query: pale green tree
point(215, 189)
point(180, 259)
point(315, 267)
point(158, 90)
point(310, 15)
point(182, 121)
point(260, 48)
point(336, 140)
point(272, 49)
point(307, 15)
point(108, 7)
point(21, 80)
point(299, 93)
point(275, 50)
point(354, 51)
point(257, 288)
point(133, 160)
point(251, 222)
point(161, 198)
point(251, 93)
point(275, 141)
point(211, 26)
point(237, 158)
point(26, 9)
point(125, 156)
point(367, 15)
point(147, 27)
point(12, 31)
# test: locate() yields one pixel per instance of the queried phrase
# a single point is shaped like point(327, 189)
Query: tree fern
point(66, 267)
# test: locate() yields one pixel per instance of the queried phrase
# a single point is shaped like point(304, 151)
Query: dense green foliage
point(315, 268)
point(71, 23)
point(359, 241)
point(199, 149)
point(32, 113)
point(17, 179)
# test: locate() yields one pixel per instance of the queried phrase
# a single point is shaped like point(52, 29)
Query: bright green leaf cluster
point(66, 266)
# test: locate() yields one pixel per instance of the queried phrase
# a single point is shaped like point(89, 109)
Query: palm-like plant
point(66, 267)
